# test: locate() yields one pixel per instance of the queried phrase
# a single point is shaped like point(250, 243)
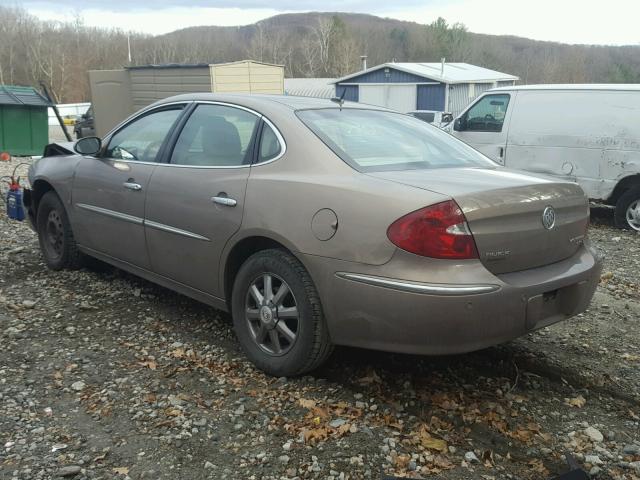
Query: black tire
point(312, 345)
point(57, 244)
point(626, 199)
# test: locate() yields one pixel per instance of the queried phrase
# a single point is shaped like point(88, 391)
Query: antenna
point(129, 46)
point(340, 100)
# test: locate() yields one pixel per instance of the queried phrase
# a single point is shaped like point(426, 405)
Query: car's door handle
point(132, 186)
point(226, 201)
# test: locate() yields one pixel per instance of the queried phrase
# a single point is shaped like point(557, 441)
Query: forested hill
point(308, 44)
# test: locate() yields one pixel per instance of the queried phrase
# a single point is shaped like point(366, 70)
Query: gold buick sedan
point(318, 223)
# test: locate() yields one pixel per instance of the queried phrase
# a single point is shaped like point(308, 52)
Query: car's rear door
point(195, 201)
point(109, 190)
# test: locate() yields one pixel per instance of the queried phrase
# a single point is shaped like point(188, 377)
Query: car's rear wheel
point(277, 315)
point(57, 244)
point(628, 209)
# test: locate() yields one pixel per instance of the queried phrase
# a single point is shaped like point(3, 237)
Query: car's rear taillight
point(438, 231)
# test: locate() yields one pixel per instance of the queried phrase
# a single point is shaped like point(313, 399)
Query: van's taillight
point(438, 231)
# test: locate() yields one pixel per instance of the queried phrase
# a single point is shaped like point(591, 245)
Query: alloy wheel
point(271, 312)
point(633, 215)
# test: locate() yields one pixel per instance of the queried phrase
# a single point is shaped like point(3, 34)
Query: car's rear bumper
point(422, 313)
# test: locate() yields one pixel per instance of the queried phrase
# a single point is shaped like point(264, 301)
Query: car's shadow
point(195, 321)
point(602, 215)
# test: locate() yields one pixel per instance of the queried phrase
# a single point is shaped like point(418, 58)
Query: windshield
point(375, 140)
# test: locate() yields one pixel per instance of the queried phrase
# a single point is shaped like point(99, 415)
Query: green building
point(24, 126)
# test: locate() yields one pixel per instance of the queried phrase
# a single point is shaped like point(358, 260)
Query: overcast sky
point(612, 22)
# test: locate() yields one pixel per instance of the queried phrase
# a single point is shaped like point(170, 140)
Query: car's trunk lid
point(504, 210)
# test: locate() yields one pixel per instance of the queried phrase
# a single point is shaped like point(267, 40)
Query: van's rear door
point(485, 124)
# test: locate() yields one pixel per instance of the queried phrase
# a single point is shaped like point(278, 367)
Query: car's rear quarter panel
point(283, 196)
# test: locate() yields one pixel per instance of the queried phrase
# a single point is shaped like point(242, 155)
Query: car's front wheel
point(628, 209)
point(277, 315)
point(57, 244)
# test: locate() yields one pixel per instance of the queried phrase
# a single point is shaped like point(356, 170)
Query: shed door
point(397, 97)
point(372, 95)
point(432, 97)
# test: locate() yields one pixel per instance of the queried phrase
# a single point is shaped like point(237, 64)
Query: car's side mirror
point(458, 125)
point(88, 146)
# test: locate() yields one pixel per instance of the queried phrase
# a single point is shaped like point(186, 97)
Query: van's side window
point(488, 114)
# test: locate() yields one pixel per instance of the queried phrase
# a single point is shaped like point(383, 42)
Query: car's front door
point(195, 201)
point(484, 125)
point(109, 190)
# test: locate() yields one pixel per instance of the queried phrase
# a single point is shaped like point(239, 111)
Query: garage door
point(397, 97)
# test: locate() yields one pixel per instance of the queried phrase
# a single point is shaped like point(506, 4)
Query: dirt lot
point(103, 375)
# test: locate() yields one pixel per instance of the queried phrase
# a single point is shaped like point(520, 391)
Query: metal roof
point(634, 87)
point(168, 65)
point(310, 87)
point(196, 65)
point(14, 95)
point(452, 72)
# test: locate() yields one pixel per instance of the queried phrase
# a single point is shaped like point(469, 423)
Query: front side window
point(375, 140)
point(141, 139)
point(487, 115)
point(216, 136)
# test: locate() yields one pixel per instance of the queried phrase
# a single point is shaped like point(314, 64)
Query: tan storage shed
point(115, 94)
point(247, 77)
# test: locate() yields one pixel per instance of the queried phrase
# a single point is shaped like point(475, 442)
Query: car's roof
point(256, 100)
point(583, 86)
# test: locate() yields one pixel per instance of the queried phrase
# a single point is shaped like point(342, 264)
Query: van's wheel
point(277, 315)
point(628, 209)
point(57, 244)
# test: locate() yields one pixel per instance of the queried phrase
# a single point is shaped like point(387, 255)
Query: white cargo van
point(586, 133)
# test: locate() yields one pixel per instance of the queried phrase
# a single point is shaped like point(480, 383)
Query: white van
point(586, 133)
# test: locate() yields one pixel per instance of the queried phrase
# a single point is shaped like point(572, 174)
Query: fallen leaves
point(538, 466)
point(150, 364)
point(578, 401)
point(306, 403)
point(426, 440)
point(121, 470)
point(323, 421)
point(173, 412)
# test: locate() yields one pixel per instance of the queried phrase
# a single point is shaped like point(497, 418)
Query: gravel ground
point(104, 375)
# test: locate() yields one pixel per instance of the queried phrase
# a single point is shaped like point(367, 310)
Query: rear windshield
point(374, 140)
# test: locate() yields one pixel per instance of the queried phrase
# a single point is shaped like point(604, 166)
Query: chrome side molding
point(111, 213)
point(141, 221)
point(177, 231)
point(417, 287)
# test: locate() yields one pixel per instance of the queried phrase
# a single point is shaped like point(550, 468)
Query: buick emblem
point(549, 218)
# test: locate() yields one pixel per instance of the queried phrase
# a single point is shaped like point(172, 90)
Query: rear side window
point(270, 146)
point(487, 115)
point(375, 140)
point(216, 136)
